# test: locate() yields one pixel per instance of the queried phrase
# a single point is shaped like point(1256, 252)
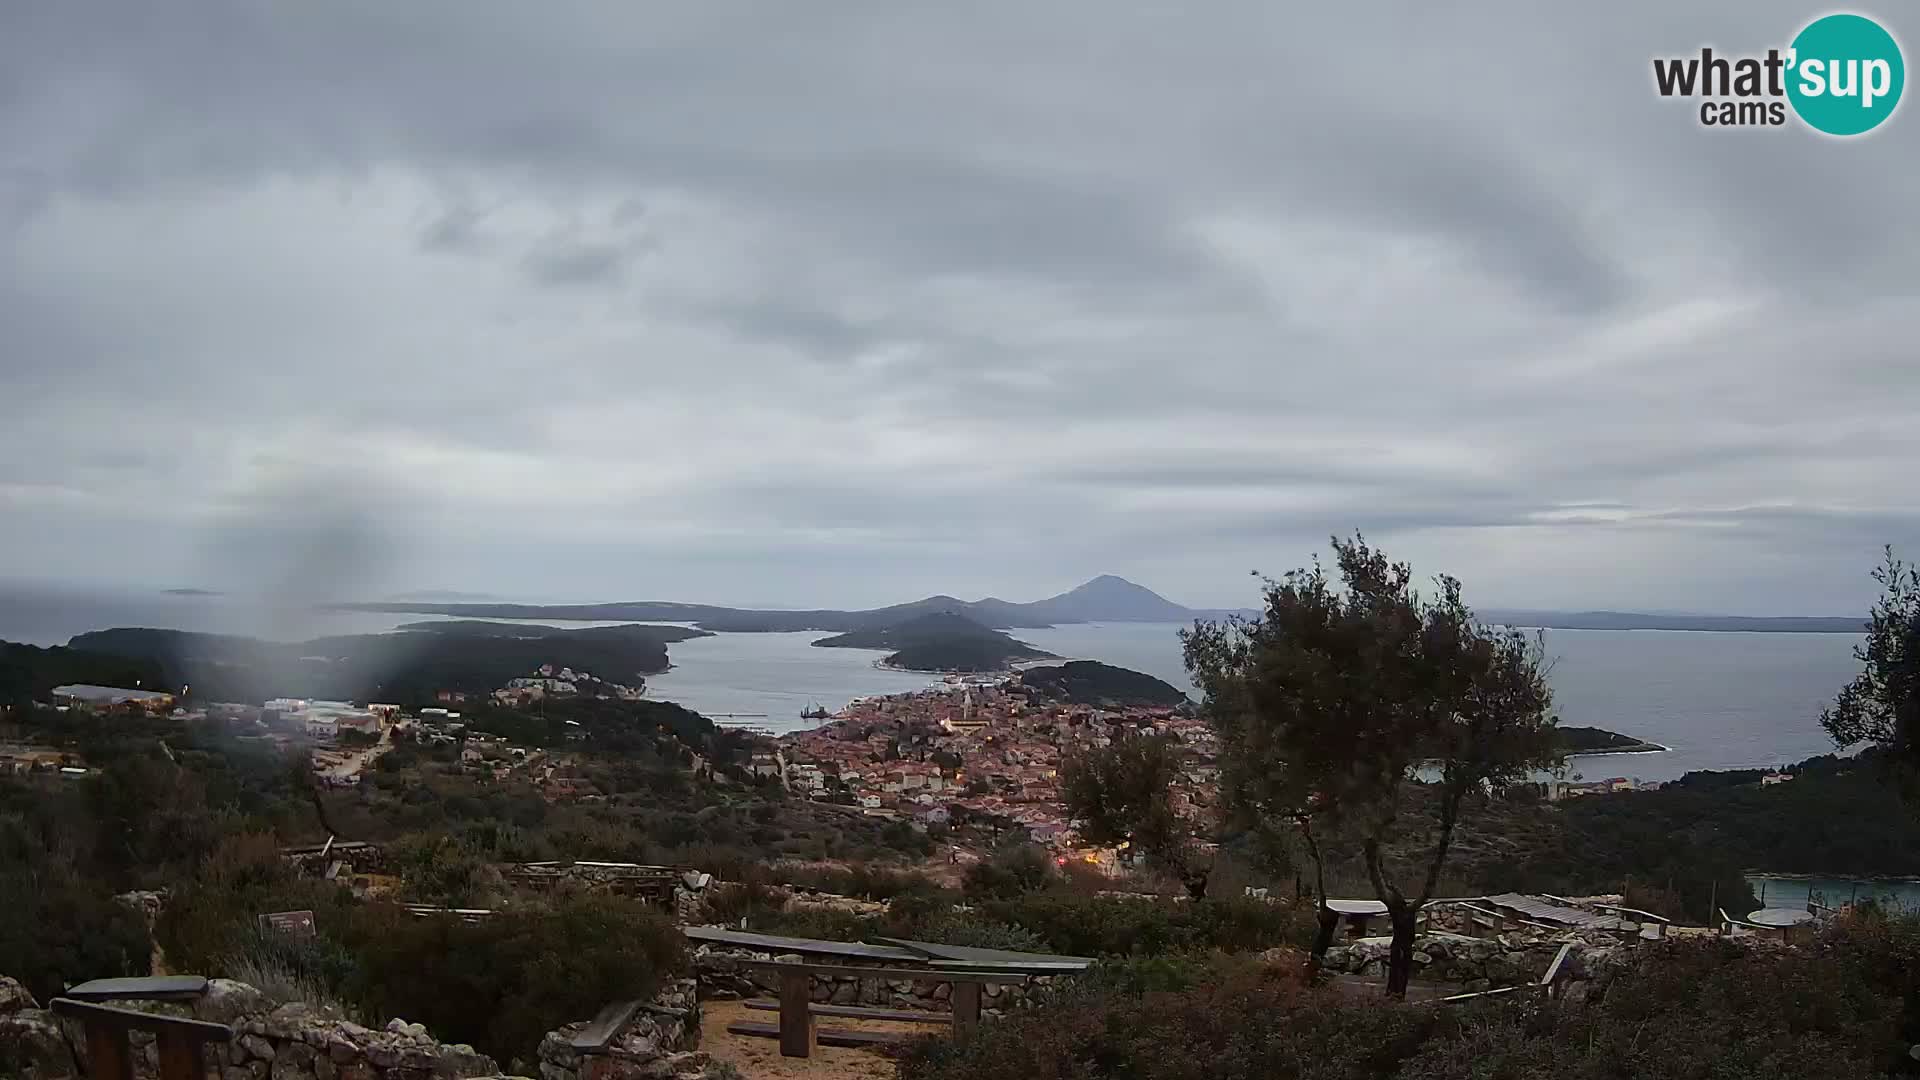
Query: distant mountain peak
point(1112, 583)
point(1111, 598)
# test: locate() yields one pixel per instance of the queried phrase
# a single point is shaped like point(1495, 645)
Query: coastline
point(1636, 748)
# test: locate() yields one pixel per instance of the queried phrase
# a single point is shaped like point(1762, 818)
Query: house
point(322, 727)
point(1775, 778)
point(870, 802)
point(934, 815)
point(89, 697)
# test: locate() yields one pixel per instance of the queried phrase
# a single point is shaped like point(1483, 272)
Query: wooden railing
point(110, 1055)
point(1545, 985)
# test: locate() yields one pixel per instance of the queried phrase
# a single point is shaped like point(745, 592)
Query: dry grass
point(760, 1058)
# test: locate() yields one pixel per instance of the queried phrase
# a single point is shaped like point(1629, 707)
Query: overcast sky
point(847, 303)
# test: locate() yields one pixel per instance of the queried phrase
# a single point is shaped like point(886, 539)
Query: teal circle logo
point(1845, 74)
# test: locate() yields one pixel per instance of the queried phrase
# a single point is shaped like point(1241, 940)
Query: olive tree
point(1335, 701)
point(1881, 706)
point(1121, 794)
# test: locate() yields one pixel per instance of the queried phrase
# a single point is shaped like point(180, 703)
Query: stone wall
point(723, 976)
point(297, 1041)
point(33, 1046)
point(289, 1042)
point(1481, 963)
point(659, 1042)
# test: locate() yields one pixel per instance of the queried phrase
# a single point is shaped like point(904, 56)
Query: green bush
point(1009, 873)
point(210, 915)
point(827, 924)
point(1124, 926)
point(502, 982)
point(1688, 1011)
point(59, 929)
point(976, 933)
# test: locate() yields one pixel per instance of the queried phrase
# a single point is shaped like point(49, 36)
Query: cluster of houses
point(20, 760)
point(561, 681)
point(987, 751)
point(88, 697)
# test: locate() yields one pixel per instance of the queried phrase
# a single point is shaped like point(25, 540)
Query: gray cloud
point(845, 303)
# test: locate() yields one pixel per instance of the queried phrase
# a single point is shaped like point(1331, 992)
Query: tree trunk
point(1329, 919)
point(1196, 883)
point(1322, 938)
point(1400, 956)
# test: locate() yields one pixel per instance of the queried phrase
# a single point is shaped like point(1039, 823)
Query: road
point(352, 762)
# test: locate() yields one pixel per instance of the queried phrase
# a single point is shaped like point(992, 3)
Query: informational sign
point(297, 924)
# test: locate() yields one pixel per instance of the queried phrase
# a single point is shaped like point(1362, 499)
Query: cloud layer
point(845, 303)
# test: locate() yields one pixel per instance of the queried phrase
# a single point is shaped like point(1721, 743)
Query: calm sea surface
point(1717, 700)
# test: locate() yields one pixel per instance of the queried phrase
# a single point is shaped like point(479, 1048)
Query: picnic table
point(1358, 914)
point(1795, 925)
point(1781, 917)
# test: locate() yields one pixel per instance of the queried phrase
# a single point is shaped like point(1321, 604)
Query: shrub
point(503, 982)
point(827, 924)
point(1122, 926)
point(1009, 873)
point(1229, 1020)
point(438, 869)
point(59, 929)
point(244, 878)
point(977, 933)
point(1688, 1011)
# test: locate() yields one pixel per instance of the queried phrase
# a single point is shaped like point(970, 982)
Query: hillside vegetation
point(1089, 682)
point(941, 641)
point(404, 668)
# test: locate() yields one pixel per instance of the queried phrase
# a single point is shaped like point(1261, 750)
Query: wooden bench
point(1545, 985)
point(1651, 927)
point(823, 1036)
point(110, 1057)
point(860, 1012)
point(140, 988)
point(796, 1030)
point(1732, 927)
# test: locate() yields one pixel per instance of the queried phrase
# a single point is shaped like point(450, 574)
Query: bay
point(1794, 892)
point(1717, 700)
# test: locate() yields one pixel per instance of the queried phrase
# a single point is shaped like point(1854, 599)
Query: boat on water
point(814, 711)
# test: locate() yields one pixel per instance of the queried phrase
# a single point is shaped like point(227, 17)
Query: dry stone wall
point(724, 976)
point(298, 1041)
point(658, 1043)
point(1482, 963)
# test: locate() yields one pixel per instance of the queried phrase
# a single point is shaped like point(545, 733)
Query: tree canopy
point(1334, 700)
point(1119, 793)
point(1881, 706)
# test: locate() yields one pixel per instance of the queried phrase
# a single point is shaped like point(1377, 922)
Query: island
point(1089, 682)
point(413, 666)
point(941, 641)
point(1578, 741)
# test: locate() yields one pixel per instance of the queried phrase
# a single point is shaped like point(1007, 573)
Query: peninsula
point(942, 641)
point(1103, 599)
point(1578, 741)
point(412, 666)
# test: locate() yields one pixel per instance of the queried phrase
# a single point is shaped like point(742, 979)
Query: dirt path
point(353, 762)
point(760, 1058)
